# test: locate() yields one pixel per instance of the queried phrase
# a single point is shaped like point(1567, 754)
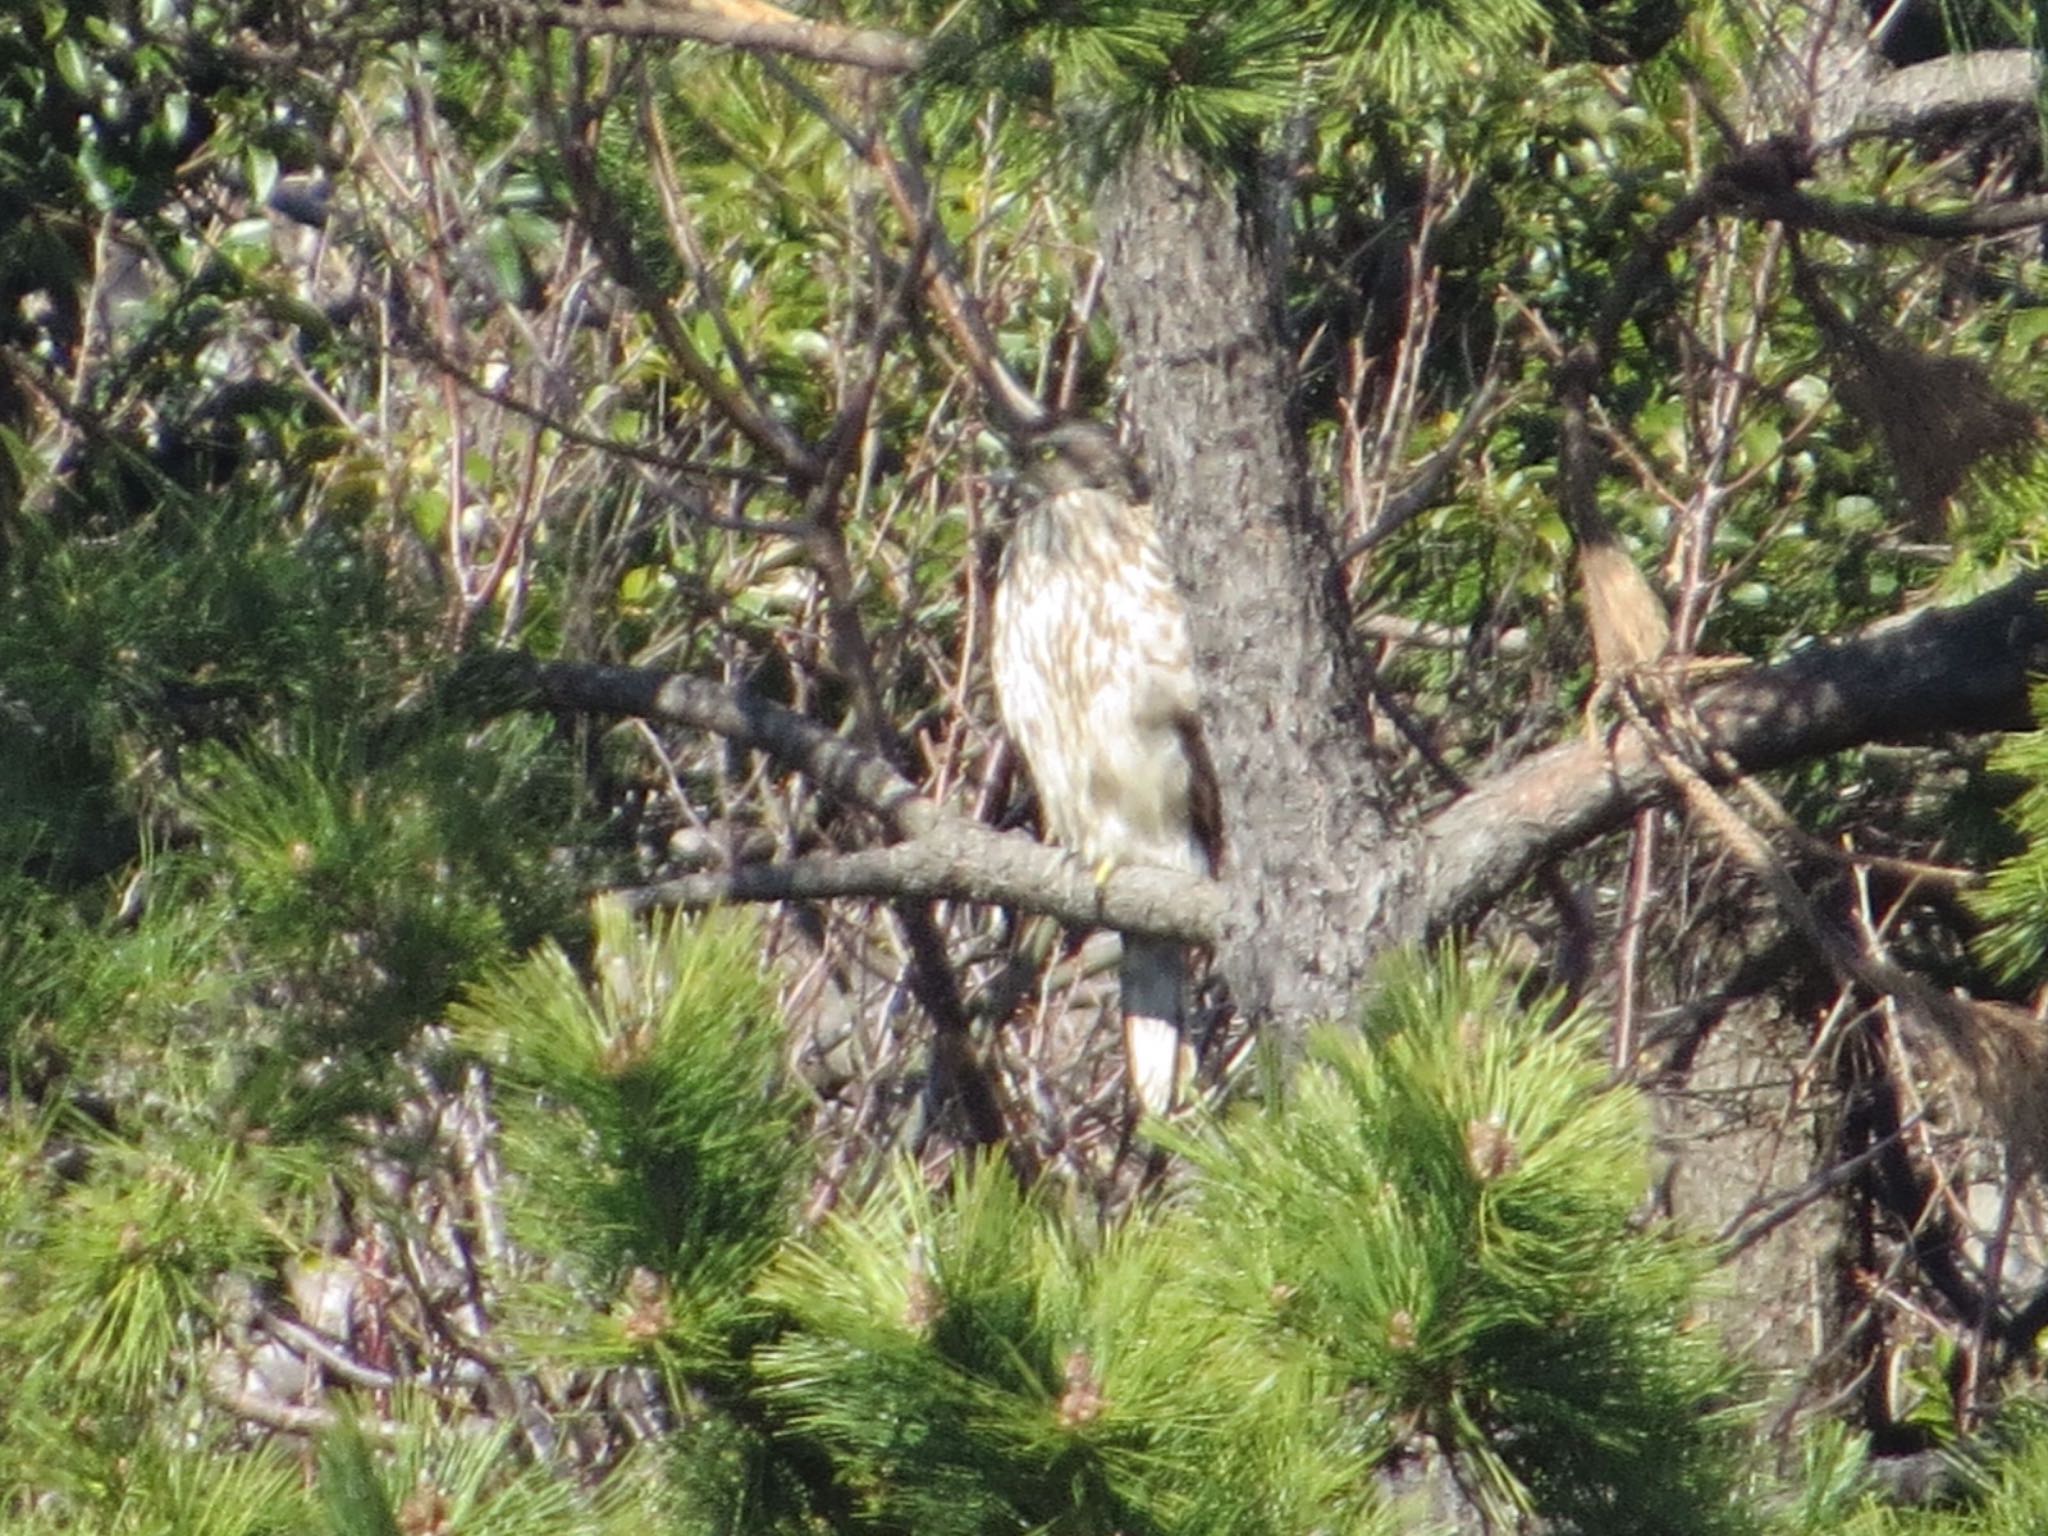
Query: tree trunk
point(1211, 389)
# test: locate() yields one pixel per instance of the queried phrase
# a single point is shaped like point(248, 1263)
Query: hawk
point(1095, 682)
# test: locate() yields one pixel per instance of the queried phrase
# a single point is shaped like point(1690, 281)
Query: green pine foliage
point(972, 1365)
point(115, 1282)
point(1186, 72)
point(1212, 79)
point(380, 884)
point(1433, 1236)
point(193, 622)
point(429, 1480)
point(319, 911)
point(209, 1490)
point(1999, 1487)
point(224, 937)
point(1406, 52)
point(648, 1126)
point(265, 913)
point(1444, 1217)
point(2014, 899)
point(1430, 1241)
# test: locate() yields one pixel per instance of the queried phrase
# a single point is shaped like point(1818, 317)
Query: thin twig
point(1741, 1233)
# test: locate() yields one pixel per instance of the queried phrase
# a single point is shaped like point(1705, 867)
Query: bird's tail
point(1153, 978)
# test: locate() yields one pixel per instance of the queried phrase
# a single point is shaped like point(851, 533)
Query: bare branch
point(1876, 222)
point(1937, 671)
point(311, 1343)
point(757, 28)
point(960, 859)
point(942, 854)
point(423, 349)
point(293, 1418)
point(607, 228)
point(846, 772)
point(1762, 1216)
point(1909, 679)
point(1941, 90)
point(958, 306)
point(1421, 492)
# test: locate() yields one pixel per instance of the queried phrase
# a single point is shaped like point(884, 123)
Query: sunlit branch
point(757, 28)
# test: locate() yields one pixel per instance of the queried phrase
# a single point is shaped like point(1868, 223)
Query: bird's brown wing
point(1205, 799)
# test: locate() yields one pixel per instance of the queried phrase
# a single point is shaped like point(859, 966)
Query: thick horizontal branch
point(959, 859)
point(1939, 91)
point(937, 853)
point(842, 770)
point(758, 28)
point(1877, 222)
point(1939, 671)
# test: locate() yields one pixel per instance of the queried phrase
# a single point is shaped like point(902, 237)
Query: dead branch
point(293, 1418)
point(958, 306)
point(1941, 670)
point(597, 213)
point(1909, 679)
point(745, 24)
point(940, 853)
point(962, 860)
point(850, 774)
point(1424, 489)
point(1879, 222)
point(1962, 85)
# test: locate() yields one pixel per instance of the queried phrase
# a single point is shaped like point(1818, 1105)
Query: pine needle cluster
point(648, 1127)
point(972, 1364)
point(1446, 1217)
point(2014, 900)
point(1210, 79)
point(1429, 1248)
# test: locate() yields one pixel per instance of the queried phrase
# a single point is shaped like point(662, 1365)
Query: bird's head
point(1082, 455)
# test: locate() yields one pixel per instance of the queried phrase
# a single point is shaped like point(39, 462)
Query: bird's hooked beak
point(1004, 485)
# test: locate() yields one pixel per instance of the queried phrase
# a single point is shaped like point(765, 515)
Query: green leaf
point(506, 260)
point(73, 68)
point(174, 115)
point(428, 510)
point(259, 168)
point(2026, 328)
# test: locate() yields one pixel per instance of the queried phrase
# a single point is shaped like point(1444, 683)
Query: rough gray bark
point(1961, 86)
point(1211, 390)
point(1316, 881)
point(1815, 68)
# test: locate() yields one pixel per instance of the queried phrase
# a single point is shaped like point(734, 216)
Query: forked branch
point(1940, 671)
